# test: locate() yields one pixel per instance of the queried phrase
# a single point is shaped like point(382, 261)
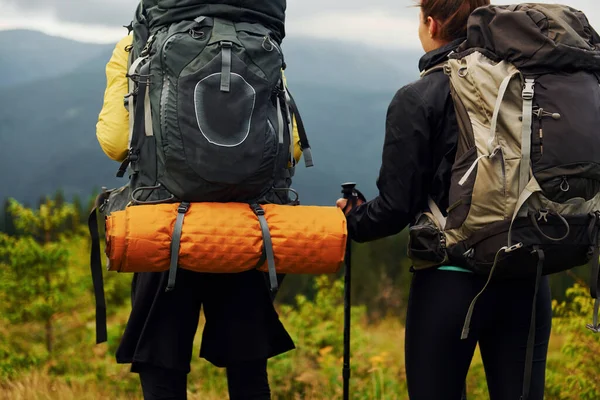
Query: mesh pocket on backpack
point(224, 118)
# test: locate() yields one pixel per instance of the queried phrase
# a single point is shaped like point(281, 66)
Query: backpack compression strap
point(595, 277)
point(531, 337)
point(268, 246)
point(176, 244)
point(140, 113)
point(96, 269)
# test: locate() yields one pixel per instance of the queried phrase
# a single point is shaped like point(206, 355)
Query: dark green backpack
point(211, 118)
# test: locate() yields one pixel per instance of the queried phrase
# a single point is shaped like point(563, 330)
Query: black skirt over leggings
point(241, 322)
point(437, 360)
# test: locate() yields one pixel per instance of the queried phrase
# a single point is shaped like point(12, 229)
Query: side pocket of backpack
point(426, 243)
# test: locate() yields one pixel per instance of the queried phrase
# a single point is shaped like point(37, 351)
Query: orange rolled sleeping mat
point(227, 238)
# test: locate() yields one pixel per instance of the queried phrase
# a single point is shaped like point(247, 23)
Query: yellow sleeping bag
point(227, 238)
point(112, 128)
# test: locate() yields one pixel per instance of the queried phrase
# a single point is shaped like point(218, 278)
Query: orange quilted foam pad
point(306, 239)
point(227, 238)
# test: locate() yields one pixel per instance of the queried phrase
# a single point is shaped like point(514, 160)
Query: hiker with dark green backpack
point(210, 120)
point(493, 160)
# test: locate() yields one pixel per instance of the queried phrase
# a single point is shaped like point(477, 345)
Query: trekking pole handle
point(349, 193)
point(348, 189)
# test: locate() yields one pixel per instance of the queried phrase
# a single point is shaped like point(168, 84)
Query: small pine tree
point(35, 282)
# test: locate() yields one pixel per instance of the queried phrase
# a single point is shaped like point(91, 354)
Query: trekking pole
point(351, 195)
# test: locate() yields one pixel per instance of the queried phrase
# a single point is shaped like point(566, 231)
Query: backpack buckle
point(183, 208)
point(528, 90)
point(258, 210)
point(514, 247)
point(543, 214)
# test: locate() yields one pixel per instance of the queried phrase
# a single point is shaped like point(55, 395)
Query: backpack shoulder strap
point(435, 68)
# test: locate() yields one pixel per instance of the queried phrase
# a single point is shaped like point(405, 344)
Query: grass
point(385, 341)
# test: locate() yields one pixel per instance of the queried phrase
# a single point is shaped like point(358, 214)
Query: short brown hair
point(451, 14)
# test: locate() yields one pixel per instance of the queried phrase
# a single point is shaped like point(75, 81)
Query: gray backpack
point(211, 117)
point(525, 188)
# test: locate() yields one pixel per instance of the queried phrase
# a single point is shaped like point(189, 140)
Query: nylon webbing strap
point(132, 73)
point(594, 279)
point(290, 121)
point(471, 310)
point(148, 128)
point(139, 125)
point(595, 272)
point(594, 327)
point(280, 126)
point(595, 238)
point(523, 197)
point(226, 66)
point(439, 67)
point(223, 31)
point(528, 93)
point(499, 99)
point(306, 152)
point(96, 269)
point(437, 213)
point(139, 129)
point(175, 244)
point(531, 337)
point(130, 96)
point(268, 245)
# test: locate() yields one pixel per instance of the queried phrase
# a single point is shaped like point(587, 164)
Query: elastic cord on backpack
point(151, 188)
point(543, 214)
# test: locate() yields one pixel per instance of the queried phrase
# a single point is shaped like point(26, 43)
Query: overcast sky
point(374, 22)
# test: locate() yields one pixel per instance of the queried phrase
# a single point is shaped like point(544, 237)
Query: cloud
point(374, 28)
point(382, 23)
point(86, 12)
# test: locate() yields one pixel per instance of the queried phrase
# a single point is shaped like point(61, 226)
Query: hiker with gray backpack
point(210, 119)
point(493, 159)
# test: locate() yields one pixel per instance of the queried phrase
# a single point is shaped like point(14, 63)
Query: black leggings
point(246, 381)
point(437, 360)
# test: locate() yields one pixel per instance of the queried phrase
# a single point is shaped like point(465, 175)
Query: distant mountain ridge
point(29, 55)
point(48, 115)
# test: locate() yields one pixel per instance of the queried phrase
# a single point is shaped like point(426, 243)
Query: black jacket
point(418, 153)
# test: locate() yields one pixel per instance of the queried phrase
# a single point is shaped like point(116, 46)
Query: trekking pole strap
point(531, 337)
point(97, 279)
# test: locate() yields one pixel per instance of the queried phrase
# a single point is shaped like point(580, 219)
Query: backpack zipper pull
point(564, 185)
point(541, 139)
